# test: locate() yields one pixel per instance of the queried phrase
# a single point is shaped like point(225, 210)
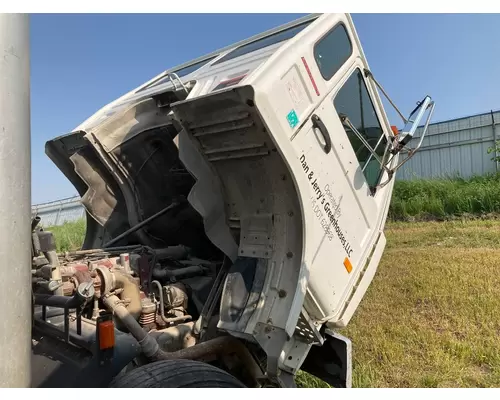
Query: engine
point(160, 288)
point(165, 299)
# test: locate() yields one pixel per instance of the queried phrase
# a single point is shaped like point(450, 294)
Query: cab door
point(342, 172)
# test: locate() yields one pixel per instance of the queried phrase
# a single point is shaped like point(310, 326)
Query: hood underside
point(127, 169)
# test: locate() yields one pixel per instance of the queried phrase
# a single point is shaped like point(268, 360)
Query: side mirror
point(399, 139)
point(407, 134)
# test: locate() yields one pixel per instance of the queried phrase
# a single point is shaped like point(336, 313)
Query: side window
point(332, 51)
point(353, 101)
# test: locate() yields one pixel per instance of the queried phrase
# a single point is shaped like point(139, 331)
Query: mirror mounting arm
point(400, 140)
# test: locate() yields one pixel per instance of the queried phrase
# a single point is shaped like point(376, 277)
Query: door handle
point(318, 124)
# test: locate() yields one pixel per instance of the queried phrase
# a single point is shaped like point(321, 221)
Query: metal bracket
point(144, 273)
point(256, 233)
point(345, 120)
point(271, 340)
point(307, 331)
point(368, 74)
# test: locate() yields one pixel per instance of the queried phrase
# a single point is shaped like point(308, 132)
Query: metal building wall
point(455, 147)
point(60, 211)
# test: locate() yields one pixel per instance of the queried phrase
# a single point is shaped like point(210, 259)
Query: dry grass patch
point(431, 317)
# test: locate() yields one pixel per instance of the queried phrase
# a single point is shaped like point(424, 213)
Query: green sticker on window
point(292, 118)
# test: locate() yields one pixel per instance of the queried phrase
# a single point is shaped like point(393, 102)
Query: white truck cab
point(282, 149)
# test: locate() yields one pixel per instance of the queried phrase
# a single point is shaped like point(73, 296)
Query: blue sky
point(79, 63)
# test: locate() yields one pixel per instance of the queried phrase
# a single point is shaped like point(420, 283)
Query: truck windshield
point(264, 42)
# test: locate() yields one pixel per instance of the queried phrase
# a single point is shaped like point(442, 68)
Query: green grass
point(431, 317)
point(445, 198)
point(68, 236)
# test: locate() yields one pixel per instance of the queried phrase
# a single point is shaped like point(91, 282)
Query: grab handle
point(318, 123)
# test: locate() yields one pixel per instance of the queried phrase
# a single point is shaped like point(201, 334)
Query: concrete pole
point(15, 202)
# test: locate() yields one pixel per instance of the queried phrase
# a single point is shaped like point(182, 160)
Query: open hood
point(126, 169)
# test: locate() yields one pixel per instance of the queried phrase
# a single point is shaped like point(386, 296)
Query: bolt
point(282, 293)
point(289, 254)
point(290, 213)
